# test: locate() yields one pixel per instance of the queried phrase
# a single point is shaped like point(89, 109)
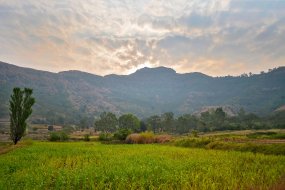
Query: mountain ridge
point(71, 95)
point(282, 68)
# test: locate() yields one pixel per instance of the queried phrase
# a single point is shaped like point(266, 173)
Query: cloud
point(217, 37)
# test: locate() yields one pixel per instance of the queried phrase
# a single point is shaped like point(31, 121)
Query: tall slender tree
point(21, 103)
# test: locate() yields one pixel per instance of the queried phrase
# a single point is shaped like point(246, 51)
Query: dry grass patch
point(147, 138)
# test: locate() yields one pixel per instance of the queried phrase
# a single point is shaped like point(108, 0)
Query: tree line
point(215, 120)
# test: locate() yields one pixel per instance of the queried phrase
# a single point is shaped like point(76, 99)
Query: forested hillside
point(71, 95)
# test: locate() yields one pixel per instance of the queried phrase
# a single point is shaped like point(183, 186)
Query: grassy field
point(91, 165)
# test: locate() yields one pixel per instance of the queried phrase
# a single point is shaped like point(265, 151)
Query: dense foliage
point(21, 103)
point(58, 136)
point(215, 120)
point(107, 122)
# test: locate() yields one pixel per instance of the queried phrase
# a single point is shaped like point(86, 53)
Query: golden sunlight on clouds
point(214, 67)
point(140, 66)
point(216, 37)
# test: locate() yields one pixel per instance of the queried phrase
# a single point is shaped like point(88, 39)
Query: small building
point(54, 128)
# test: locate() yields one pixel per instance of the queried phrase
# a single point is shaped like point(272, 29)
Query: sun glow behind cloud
point(217, 37)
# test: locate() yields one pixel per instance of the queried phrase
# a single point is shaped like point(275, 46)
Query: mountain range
point(71, 95)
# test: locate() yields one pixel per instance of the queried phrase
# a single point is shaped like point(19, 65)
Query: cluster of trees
point(108, 122)
point(215, 120)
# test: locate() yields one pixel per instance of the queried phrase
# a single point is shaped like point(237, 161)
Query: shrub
point(147, 137)
point(122, 134)
point(162, 138)
point(194, 133)
point(63, 136)
point(86, 137)
point(278, 136)
point(134, 138)
point(54, 136)
point(58, 136)
point(105, 137)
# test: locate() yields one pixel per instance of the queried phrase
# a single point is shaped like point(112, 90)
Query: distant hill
point(71, 95)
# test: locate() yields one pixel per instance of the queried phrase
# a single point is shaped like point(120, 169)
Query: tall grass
point(82, 165)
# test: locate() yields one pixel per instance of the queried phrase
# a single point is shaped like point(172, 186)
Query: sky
point(215, 37)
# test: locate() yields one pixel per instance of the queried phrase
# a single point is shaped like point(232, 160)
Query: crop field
point(91, 165)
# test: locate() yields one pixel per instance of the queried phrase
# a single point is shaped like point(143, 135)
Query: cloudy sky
point(216, 37)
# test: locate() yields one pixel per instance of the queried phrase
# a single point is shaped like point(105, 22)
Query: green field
point(82, 165)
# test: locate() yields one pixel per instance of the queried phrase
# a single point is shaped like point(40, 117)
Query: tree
point(220, 115)
point(122, 134)
point(129, 121)
point(21, 103)
point(167, 120)
point(154, 122)
point(186, 123)
point(143, 126)
point(107, 122)
point(84, 123)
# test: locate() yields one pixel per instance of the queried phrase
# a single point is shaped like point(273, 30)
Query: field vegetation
point(266, 142)
point(91, 165)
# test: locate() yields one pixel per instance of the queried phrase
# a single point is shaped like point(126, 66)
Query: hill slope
point(70, 95)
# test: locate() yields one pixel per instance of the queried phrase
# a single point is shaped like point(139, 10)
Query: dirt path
point(10, 147)
point(280, 185)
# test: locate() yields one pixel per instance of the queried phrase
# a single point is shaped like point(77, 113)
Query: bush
point(105, 137)
point(194, 133)
point(122, 134)
point(86, 137)
point(58, 136)
point(54, 136)
point(147, 138)
point(134, 138)
point(162, 138)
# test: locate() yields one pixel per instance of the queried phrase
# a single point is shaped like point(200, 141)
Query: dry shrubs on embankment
point(147, 138)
